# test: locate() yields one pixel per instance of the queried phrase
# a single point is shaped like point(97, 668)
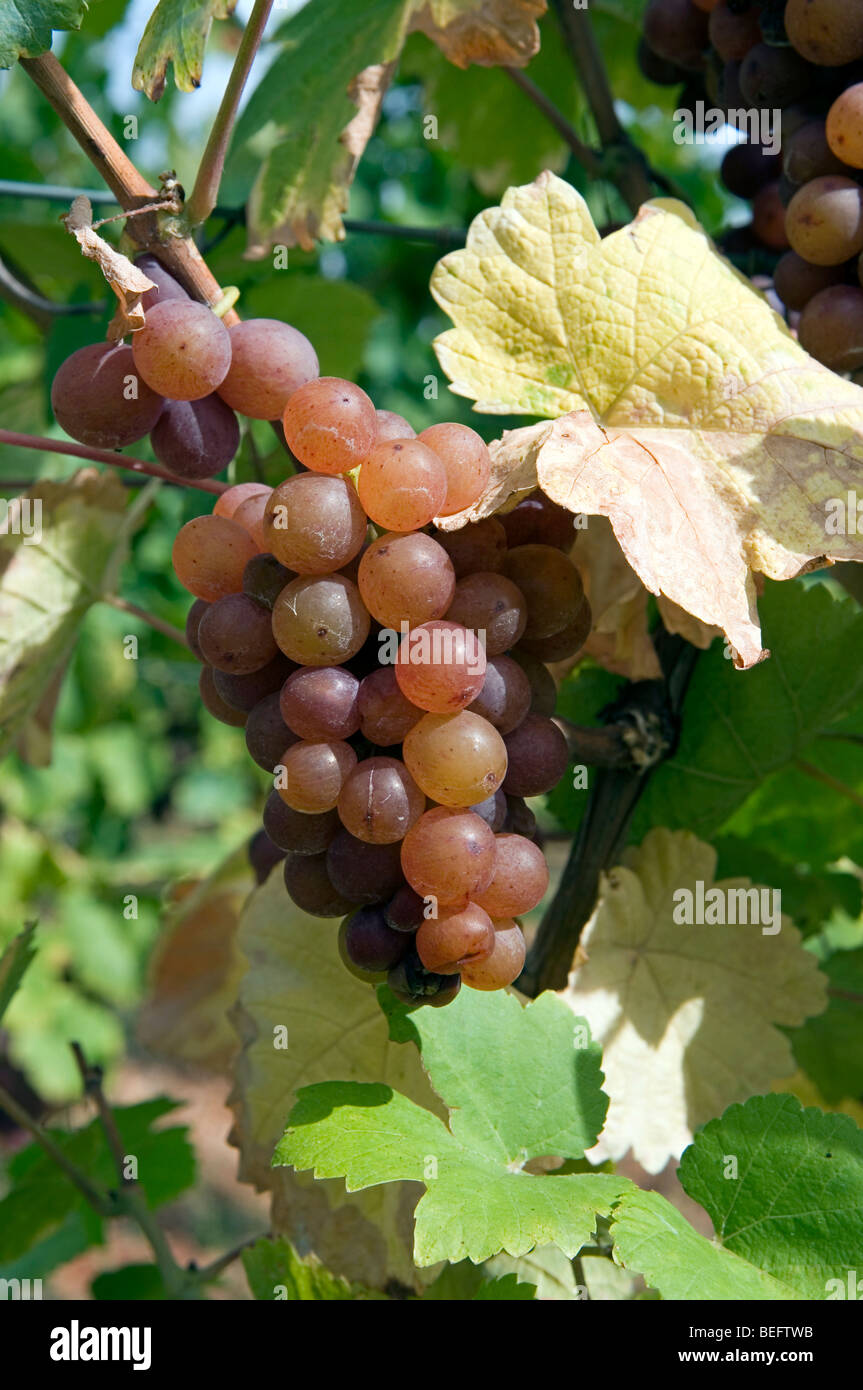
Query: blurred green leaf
point(138, 1283)
point(13, 964)
point(176, 33)
point(336, 315)
point(25, 29)
point(276, 1272)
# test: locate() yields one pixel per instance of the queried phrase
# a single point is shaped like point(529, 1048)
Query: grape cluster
point(803, 58)
point(391, 676)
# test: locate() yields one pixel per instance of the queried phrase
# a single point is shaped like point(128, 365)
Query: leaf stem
point(99, 1201)
point(202, 198)
point(587, 157)
point(158, 624)
point(85, 451)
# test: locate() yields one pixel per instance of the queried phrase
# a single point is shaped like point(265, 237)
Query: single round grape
point(213, 702)
point(458, 937)
point(771, 77)
point(232, 498)
point(768, 217)
point(312, 774)
point(536, 520)
point(308, 885)
point(402, 484)
point(733, 34)
point(209, 556)
point(250, 515)
point(456, 759)
point(100, 398)
point(520, 819)
point(193, 622)
point(414, 985)
point(264, 578)
point(440, 666)
point(406, 578)
point(481, 545)
point(543, 690)
point(320, 620)
point(167, 287)
point(491, 604)
point(831, 327)
point(294, 831)
point(676, 31)
point(363, 872)
point(320, 702)
point(330, 425)
point(380, 801)
point(269, 361)
point(267, 734)
point(824, 220)
point(564, 644)
point(244, 692)
point(370, 944)
point(449, 855)
point(796, 281)
point(196, 439)
point(314, 524)
point(492, 811)
point(845, 126)
point(505, 963)
point(236, 634)
point(827, 32)
point(386, 715)
point(465, 457)
point(368, 977)
point(264, 855)
point(746, 168)
point(519, 880)
point(551, 586)
point(657, 69)
point(406, 910)
point(392, 426)
point(807, 155)
point(537, 755)
point(505, 697)
point(183, 351)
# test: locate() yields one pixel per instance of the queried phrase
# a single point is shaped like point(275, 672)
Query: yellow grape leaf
point(126, 280)
point(688, 1015)
point(196, 970)
point(619, 639)
point(303, 1018)
point(690, 416)
point(486, 32)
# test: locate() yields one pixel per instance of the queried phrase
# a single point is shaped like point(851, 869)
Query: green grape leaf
point(829, 1048)
point(775, 715)
point(26, 26)
point(507, 1287)
point(135, 1283)
point(176, 32)
point(277, 1273)
point(519, 1082)
point(70, 540)
point(783, 1186)
point(13, 964)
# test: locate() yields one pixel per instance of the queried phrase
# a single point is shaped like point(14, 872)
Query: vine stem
point(158, 624)
point(587, 157)
point(85, 451)
point(202, 198)
point(179, 254)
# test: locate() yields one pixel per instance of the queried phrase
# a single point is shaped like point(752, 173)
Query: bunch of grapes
point(391, 676)
point(803, 59)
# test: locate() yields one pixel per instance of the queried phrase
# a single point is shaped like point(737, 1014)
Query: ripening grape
point(244, 692)
point(768, 217)
point(831, 328)
point(677, 31)
point(213, 702)
point(386, 715)
point(465, 457)
point(320, 620)
point(308, 885)
point(402, 484)
point(264, 578)
point(380, 801)
point(264, 855)
point(827, 32)
point(824, 220)
point(491, 604)
point(772, 77)
point(236, 634)
point(233, 497)
point(294, 831)
point(449, 855)
point(807, 155)
point(330, 425)
point(413, 984)
point(321, 703)
point(183, 351)
point(363, 872)
point(99, 398)
point(537, 757)
point(368, 944)
point(209, 556)
point(796, 280)
point(313, 774)
point(733, 34)
point(166, 286)
point(543, 690)
point(250, 515)
point(457, 937)
point(561, 645)
point(481, 545)
point(314, 524)
point(193, 622)
point(536, 520)
point(269, 361)
point(657, 69)
point(267, 734)
point(392, 426)
point(746, 168)
point(440, 666)
point(505, 697)
point(456, 759)
point(406, 578)
point(519, 880)
point(551, 586)
point(196, 439)
point(845, 126)
point(406, 910)
point(505, 963)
